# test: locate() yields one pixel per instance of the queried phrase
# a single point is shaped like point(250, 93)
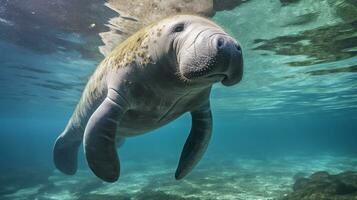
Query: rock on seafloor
point(323, 186)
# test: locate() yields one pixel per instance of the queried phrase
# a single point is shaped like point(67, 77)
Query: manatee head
point(201, 51)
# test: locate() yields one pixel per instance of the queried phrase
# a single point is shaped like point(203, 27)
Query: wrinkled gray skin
point(189, 56)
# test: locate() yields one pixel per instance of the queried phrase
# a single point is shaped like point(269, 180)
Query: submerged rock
point(322, 185)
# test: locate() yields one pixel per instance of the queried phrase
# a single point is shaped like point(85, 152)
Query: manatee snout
point(213, 57)
point(229, 59)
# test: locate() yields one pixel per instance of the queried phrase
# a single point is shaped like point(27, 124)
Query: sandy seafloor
point(232, 178)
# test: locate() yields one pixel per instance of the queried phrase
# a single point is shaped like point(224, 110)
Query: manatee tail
point(65, 151)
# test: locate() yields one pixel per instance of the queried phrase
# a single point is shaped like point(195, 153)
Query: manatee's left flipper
point(197, 142)
point(99, 137)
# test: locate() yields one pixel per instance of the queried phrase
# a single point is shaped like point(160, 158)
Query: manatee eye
point(179, 28)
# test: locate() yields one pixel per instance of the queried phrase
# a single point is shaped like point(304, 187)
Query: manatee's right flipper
point(65, 150)
point(197, 142)
point(99, 137)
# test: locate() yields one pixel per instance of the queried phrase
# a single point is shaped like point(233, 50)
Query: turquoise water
point(295, 111)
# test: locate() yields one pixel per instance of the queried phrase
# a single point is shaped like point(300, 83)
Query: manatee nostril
point(238, 47)
point(220, 43)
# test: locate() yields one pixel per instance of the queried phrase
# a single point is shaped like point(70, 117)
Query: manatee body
point(152, 78)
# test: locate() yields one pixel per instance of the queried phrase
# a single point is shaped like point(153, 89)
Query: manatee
point(161, 72)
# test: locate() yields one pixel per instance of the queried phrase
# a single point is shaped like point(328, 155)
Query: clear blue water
point(294, 112)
